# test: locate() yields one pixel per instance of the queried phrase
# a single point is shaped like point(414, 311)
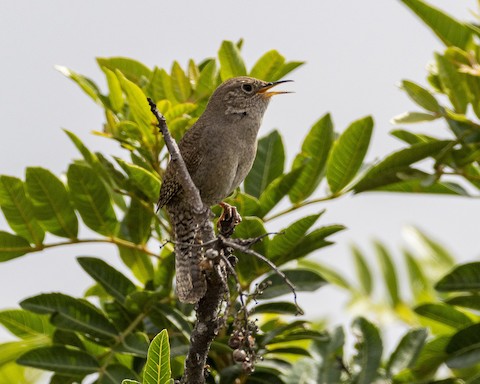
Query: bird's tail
point(191, 283)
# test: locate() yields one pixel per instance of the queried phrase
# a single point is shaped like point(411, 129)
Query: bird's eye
point(247, 88)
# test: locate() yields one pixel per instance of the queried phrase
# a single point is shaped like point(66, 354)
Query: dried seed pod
point(239, 355)
point(234, 342)
point(248, 367)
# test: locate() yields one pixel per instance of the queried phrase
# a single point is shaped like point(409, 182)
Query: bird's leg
point(228, 220)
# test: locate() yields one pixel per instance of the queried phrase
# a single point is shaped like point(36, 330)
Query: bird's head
point(244, 96)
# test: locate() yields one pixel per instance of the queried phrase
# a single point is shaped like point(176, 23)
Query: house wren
point(218, 150)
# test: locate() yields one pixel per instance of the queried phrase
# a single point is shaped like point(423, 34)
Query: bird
point(218, 151)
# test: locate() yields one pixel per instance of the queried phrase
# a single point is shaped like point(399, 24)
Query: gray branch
point(207, 323)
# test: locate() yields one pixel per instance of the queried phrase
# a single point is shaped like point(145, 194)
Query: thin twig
point(107, 240)
point(245, 249)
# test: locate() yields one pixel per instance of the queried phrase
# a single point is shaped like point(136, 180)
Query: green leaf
point(51, 203)
point(268, 165)
point(313, 241)
point(142, 301)
point(411, 137)
point(248, 266)
point(139, 108)
point(207, 81)
point(329, 351)
point(88, 156)
point(465, 301)
point(304, 280)
point(68, 338)
point(193, 72)
point(288, 350)
point(115, 373)
point(137, 222)
point(246, 205)
point(431, 248)
point(167, 85)
point(115, 283)
point(329, 274)
point(313, 156)
point(61, 360)
point(419, 186)
point(449, 30)
point(421, 96)
point(413, 117)
point(407, 351)
point(91, 199)
point(430, 358)
point(287, 68)
point(14, 373)
point(278, 331)
point(87, 85)
point(454, 83)
point(156, 89)
point(116, 95)
point(304, 371)
point(128, 381)
point(24, 324)
point(179, 110)
point(281, 308)
point(389, 274)
point(165, 271)
point(181, 83)
point(231, 62)
point(132, 69)
point(135, 344)
point(419, 283)
point(369, 351)
point(389, 169)
point(464, 348)
point(18, 210)
point(276, 191)
point(444, 314)
point(139, 263)
point(72, 314)
point(285, 242)
point(347, 154)
point(363, 271)
point(171, 316)
point(157, 369)
point(11, 351)
point(144, 180)
point(12, 246)
point(465, 277)
point(268, 66)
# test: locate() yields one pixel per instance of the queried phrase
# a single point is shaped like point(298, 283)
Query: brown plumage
point(218, 150)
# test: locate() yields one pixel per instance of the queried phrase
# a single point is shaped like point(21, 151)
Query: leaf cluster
point(107, 334)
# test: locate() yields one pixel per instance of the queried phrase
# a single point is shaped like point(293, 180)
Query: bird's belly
point(222, 177)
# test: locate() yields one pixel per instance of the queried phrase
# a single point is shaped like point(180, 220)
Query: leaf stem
point(121, 337)
point(110, 240)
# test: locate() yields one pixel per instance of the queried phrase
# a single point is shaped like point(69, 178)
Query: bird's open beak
point(265, 88)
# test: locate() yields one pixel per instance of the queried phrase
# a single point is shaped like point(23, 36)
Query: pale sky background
point(356, 53)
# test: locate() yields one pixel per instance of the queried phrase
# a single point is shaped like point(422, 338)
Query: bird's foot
point(229, 219)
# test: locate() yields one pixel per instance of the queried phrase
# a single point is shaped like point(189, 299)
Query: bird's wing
point(190, 147)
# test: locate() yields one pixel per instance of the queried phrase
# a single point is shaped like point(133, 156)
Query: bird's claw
point(229, 219)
